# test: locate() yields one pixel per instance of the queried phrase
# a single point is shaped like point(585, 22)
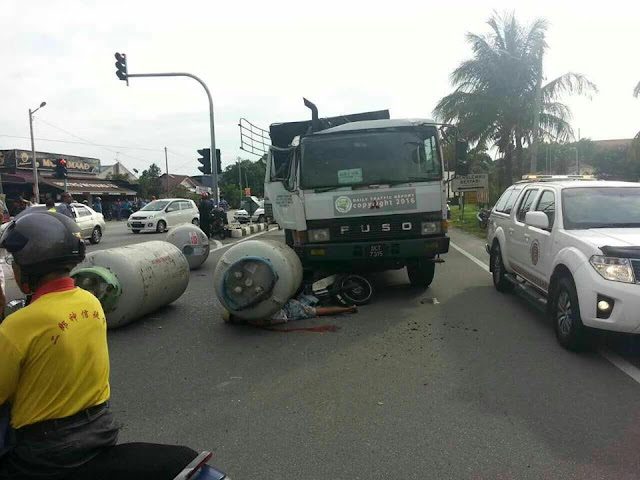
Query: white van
point(160, 215)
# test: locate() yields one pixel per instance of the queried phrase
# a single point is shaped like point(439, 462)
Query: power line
point(89, 141)
point(83, 143)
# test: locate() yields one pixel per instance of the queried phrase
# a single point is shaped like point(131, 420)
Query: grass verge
point(469, 223)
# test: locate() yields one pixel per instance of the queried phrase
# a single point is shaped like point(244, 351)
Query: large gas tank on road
point(135, 280)
point(193, 243)
point(254, 279)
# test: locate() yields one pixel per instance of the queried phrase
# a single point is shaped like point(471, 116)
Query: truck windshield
point(601, 207)
point(368, 158)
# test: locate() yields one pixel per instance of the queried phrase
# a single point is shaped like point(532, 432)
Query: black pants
point(136, 461)
point(54, 448)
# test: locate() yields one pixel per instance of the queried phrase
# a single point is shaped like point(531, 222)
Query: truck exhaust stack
point(315, 120)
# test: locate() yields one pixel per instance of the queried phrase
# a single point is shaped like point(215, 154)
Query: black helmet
point(43, 242)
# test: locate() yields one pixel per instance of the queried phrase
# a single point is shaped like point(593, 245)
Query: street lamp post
point(36, 189)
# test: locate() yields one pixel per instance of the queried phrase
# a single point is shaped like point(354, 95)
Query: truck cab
point(364, 195)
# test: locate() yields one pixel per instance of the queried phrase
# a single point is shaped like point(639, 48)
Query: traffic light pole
point(214, 170)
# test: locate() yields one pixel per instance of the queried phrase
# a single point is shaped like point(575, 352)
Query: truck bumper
point(378, 255)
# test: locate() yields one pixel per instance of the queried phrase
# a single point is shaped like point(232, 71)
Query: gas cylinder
point(193, 243)
point(135, 280)
point(254, 279)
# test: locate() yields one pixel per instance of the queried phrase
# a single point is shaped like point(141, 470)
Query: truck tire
point(498, 272)
point(565, 314)
point(421, 273)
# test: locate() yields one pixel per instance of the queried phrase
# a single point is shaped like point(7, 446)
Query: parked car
point(160, 215)
point(241, 216)
point(91, 223)
point(574, 245)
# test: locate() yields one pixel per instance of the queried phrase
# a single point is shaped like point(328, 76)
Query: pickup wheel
point(565, 313)
point(421, 273)
point(498, 272)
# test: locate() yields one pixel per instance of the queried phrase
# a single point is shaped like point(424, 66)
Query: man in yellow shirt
point(54, 367)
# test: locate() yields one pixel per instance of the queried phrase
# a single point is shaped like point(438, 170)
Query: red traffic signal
point(61, 169)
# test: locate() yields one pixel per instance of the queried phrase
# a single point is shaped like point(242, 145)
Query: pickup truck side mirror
point(537, 220)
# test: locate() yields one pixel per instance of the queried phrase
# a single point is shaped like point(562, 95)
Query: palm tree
point(494, 100)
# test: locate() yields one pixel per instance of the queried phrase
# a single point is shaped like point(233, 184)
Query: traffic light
point(121, 64)
point(205, 161)
point(462, 165)
point(219, 160)
point(61, 168)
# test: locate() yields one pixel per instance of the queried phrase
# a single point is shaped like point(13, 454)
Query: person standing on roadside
point(118, 209)
point(205, 208)
point(97, 205)
point(65, 205)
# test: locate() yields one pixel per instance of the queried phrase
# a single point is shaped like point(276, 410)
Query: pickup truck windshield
point(601, 207)
point(368, 158)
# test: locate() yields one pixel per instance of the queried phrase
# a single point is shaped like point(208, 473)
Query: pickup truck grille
point(378, 227)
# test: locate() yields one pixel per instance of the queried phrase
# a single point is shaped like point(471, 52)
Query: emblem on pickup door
point(535, 252)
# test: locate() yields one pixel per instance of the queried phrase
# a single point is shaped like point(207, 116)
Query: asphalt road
point(454, 382)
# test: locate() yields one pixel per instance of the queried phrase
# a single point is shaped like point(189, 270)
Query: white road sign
point(470, 183)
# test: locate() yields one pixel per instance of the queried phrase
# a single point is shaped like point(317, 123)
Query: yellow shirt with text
point(54, 359)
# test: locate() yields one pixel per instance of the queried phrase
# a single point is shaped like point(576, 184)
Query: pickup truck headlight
point(319, 235)
point(613, 268)
point(429, 228)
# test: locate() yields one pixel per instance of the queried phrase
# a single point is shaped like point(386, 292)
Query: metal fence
point(253, 139)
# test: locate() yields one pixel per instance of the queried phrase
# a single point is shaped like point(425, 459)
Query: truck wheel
point(565, 313)
point(421, 273)
point(498, 272)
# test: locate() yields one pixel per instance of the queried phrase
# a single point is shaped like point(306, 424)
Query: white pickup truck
point(574, 244)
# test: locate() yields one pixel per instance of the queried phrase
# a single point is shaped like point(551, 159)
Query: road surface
point(454, 382)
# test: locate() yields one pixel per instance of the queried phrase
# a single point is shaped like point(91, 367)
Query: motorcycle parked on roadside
point(483, 217)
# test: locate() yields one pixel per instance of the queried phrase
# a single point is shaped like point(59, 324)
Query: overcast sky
point(260, 57)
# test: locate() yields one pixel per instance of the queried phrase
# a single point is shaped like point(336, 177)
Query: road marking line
point(613, 358)
point(619, 362)
point(478, 262)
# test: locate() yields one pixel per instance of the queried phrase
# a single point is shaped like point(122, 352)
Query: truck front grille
point(373, 228)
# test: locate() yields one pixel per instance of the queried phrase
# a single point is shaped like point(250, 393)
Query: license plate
point(376, 251)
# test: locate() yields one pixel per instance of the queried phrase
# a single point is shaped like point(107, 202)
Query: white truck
point(573, 244)
point(361, 195)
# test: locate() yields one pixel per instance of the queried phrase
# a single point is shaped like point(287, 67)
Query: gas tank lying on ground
point(135, 280)
point(254, 279)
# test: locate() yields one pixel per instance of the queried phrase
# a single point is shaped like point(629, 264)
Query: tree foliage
point(494, 100)
point(149, 183)
point(252, 176)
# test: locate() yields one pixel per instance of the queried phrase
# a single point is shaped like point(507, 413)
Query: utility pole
point(536, 117)
point(34, 163)
point(166, 164)
point(239, 176)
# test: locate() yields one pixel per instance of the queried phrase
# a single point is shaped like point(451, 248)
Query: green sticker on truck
point(350, 176)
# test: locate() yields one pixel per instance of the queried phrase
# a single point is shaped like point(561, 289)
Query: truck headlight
point(429, 228)
point(613, 268)
point(319, 235)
